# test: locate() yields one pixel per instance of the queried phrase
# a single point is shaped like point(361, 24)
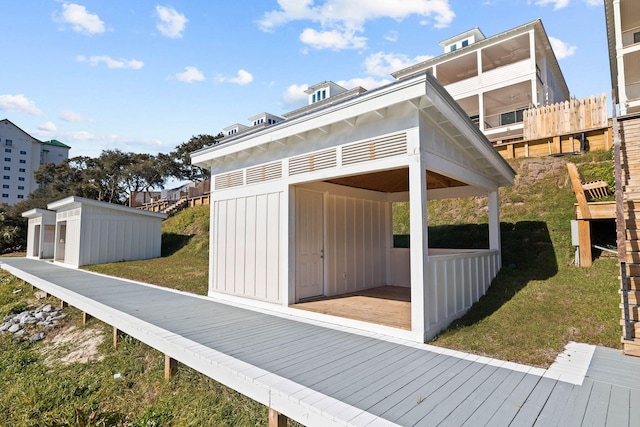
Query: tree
point(182, 156)
point(13, 229)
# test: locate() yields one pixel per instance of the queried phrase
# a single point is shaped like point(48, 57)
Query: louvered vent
point(312, 162)
point(231, 179)
point(374, 149)
point(264, 173)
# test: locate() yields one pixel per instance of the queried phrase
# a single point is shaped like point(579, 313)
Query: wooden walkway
point(323, 376)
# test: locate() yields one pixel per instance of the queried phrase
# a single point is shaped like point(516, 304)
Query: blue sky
point(145, 76)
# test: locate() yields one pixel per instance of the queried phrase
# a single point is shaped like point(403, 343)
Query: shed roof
point(422, 91)
point(75, 201)
point(35, 213)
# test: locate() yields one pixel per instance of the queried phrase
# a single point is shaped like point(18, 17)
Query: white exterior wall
point(246, 243)
point(68, 248)
point(357, 240)
point(119, 236)
point(40, 233)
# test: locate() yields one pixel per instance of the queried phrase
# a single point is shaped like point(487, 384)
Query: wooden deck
point(324, 376)
point(385, 305)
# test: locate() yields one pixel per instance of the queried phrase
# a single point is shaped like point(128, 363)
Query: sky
point(145, 76)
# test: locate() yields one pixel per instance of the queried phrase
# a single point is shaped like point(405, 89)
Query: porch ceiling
point(394, 181)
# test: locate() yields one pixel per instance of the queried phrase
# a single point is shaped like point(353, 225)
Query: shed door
point(309, 244)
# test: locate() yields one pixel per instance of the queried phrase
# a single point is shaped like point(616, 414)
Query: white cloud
point(557, 4)
point(110, 62)
point(80, 20)
point(383, 64)
point(593, 2)
point(19, 104)
point(242, 78)
point(561, 49)
point(48, 127)
point(391, 36)
point(340, 20)
point(334, 39)
point(172, 23)
point(366, 82)
point(294, 94)
point(190, 74)
point(73, 117)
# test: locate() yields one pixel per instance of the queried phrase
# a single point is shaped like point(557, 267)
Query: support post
point(494, 223)
point(63, 304)
point(170, 367)
point(557, 145)
point(276, 419)
point(584, 237)
point(116, 337)
point(511, 151)
point(85, 318)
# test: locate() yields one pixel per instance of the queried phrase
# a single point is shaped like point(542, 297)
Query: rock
point(21, 333)
point(36, 337)
point(16, 291)
point(40, 294)
point(29, 320)
point(5, 326)
point(48, 308)
point(15, 328)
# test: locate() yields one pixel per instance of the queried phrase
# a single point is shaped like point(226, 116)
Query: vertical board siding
point(246, 239)
point(355, 244)
point(456, 282)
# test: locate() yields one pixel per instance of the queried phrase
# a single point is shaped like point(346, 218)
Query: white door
point(309, 244)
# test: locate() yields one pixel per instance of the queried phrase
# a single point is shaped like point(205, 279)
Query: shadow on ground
point(172, 243)
point(527, 254)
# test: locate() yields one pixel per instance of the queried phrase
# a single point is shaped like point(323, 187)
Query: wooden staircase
point(629, 129)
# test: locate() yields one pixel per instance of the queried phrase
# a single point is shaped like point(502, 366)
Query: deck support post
point(116, 337)
point(63, 304)
point(511, 151)
point(557, 145)
point(170, 367)
point(494, 223)
point(85, 318)
point(584, 237)
point(276, 419)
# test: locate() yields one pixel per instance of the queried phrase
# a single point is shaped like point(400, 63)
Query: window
point(20, 196)
point(5, 185)
point(453, 47)
point(5, 195)
point(20, 187)
point(313, 98)
point(23, 161)
point(7, 168)
point(20, 178)
point(22, 170)
point(6, 177)
point(636, 37)
point(511, 117)
point(7, 159)
point(465, 43)
point(7, 150)
point(24, 153)
point(8, 142)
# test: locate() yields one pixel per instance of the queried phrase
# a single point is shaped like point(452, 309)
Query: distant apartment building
point(623, 33)
point(22, 155)
point(494, 79)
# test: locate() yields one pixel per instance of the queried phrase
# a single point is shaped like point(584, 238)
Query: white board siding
point(356, 244)
point(246, 246)
point(456, 281)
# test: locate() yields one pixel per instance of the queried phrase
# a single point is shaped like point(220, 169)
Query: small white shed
point(40, 233)
point(303, 209)
point(92, 232)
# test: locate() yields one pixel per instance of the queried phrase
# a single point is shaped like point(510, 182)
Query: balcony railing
point(631, 36)
point(632, 90)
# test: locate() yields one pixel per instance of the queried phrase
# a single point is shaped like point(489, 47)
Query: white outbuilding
point(92, 232)
point(302, 209)
point(41, 233)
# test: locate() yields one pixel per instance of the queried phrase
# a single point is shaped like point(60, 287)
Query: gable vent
point(313, 162)
point(231, 179)
point(264, 173)
point(374, 149)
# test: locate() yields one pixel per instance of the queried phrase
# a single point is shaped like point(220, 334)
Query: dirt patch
point(74, 345)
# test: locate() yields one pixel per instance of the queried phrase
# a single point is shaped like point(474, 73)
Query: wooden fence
point(575, 115)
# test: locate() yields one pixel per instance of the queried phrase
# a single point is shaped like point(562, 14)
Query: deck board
point(324, 376)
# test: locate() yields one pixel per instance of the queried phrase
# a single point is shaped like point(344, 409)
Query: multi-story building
point(494, 79)
point(22, 155)
point(623, 33)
